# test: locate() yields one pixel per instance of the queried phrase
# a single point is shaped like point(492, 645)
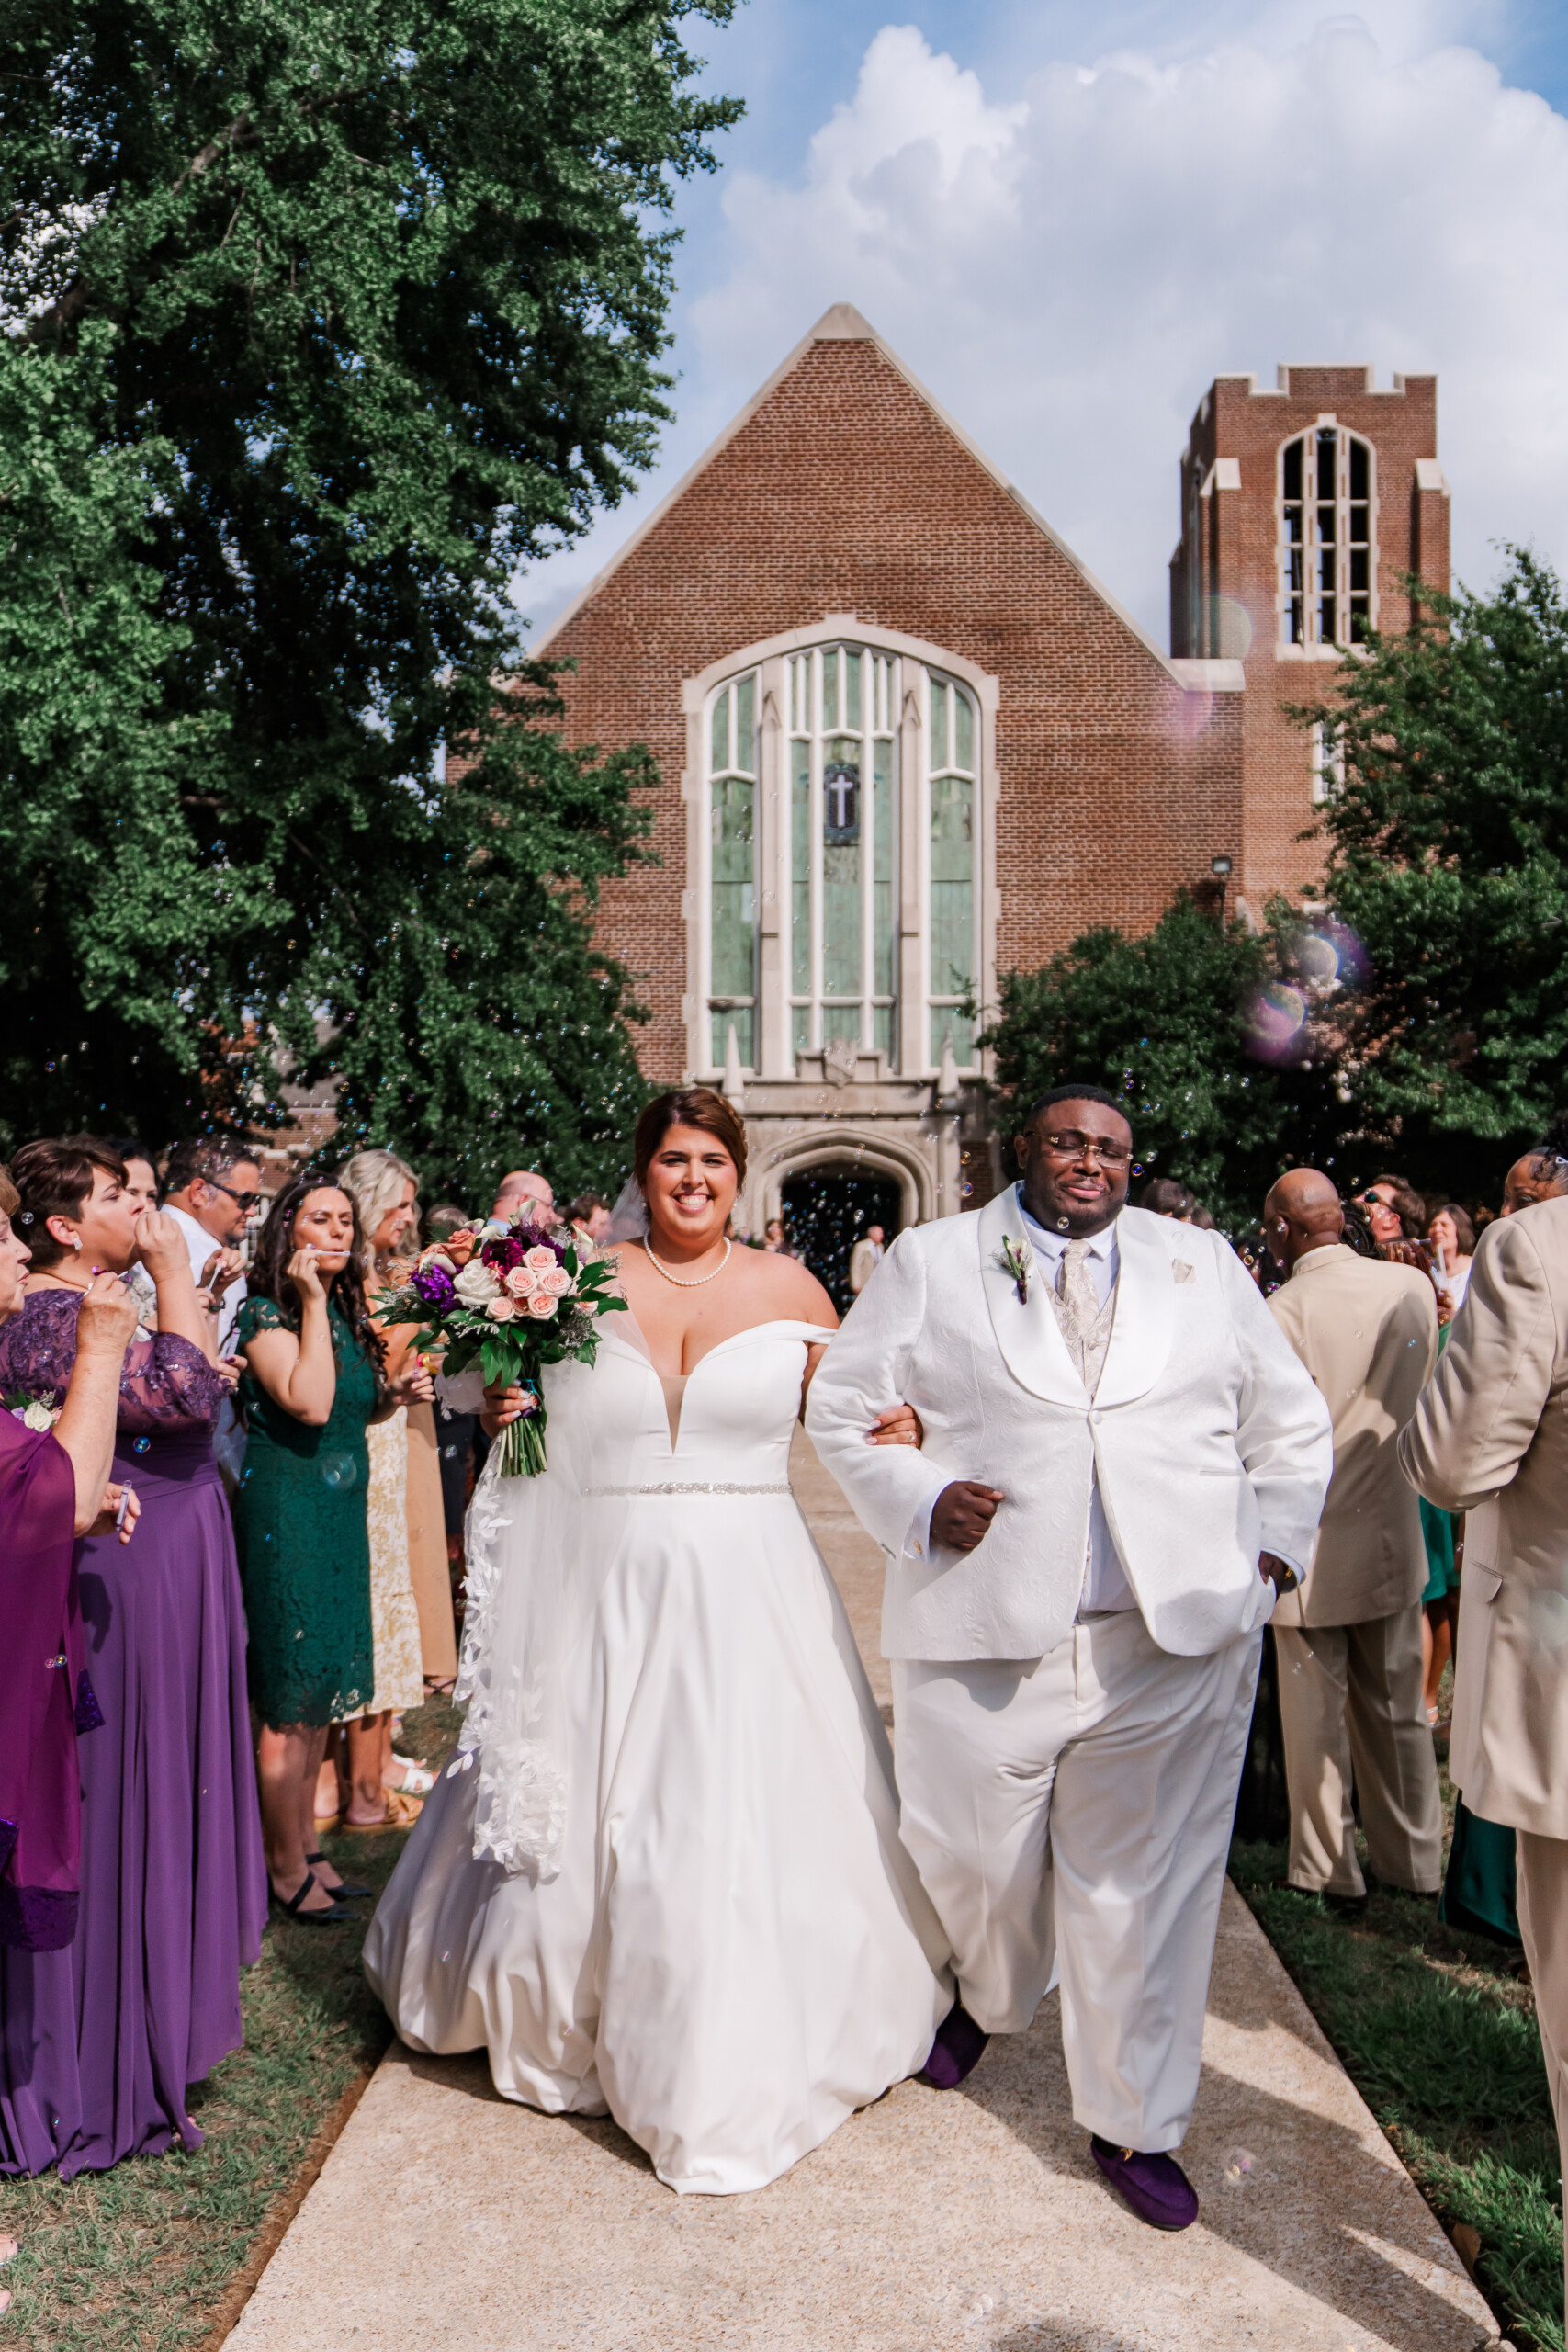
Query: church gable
point(844, 598)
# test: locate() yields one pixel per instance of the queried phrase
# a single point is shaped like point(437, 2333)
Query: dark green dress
point(299, 1521)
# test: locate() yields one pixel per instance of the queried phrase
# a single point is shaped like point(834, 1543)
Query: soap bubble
point(340, 1472)
point(1241, 2169)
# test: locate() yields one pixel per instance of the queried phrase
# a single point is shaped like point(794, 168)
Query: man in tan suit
point(1490, 1438)
point(1351, 1679)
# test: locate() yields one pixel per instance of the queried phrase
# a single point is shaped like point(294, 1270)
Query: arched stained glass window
point(732, 806)
point(852, 718)
point(1327, 538)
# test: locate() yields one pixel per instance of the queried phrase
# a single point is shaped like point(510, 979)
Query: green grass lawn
point(148, 2255)
point(1438, 2036)
point(1436, 2032)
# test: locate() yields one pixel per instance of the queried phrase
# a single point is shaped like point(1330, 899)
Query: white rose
point(39, 1416)
point(477, 1285)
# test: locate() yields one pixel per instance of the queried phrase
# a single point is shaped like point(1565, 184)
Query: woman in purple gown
point(100, 2040)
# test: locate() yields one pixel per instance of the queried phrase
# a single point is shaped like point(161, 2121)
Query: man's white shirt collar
point(1100, 1245)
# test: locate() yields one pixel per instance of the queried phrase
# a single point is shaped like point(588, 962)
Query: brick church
point(908, 743)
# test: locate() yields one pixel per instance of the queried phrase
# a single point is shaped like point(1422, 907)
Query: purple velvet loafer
point(1155, 2186)
point(956, 2051)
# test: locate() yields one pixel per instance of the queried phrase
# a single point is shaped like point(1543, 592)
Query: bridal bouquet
point(510, 1299)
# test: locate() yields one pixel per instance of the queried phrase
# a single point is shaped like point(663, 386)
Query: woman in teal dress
point(312, 1382)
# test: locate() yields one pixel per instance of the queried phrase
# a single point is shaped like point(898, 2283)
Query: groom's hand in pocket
point(962, 1513)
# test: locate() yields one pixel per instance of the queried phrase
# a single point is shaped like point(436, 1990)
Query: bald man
point(1351, 1694)
point(520, 1184)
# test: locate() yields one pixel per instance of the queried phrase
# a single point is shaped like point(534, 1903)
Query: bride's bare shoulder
point(783, 1290)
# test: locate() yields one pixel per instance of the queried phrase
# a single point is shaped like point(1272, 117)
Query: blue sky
point(1066, 219)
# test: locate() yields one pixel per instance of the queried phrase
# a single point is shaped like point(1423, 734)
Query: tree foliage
point(1448, 856)
point(327, 317)
point(1162, 1022)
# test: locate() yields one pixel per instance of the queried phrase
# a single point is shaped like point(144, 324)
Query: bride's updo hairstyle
point(688, 1106)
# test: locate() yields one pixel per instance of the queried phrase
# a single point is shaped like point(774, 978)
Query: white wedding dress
point(727, 1946)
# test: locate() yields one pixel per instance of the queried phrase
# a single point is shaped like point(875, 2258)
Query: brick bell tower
point(1301, 510)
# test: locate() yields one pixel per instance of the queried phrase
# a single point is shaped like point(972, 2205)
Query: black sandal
point(331, 1914)
point(343, 1892)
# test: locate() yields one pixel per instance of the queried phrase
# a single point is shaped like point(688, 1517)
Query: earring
point(75, 1241)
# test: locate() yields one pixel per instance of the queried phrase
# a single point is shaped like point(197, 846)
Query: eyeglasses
point(246, 1201)
point(1070, 1145)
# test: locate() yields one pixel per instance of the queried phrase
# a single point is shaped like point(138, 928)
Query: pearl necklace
point(694, 1282)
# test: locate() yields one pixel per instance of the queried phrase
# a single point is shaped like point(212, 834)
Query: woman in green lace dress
point(311, 1385)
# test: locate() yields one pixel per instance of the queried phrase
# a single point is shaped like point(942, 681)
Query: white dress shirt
point(228, 1438)
point(200, 1247)
point(1105, 1587)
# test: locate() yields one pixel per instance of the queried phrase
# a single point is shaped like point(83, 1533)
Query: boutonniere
point(1017, 1261)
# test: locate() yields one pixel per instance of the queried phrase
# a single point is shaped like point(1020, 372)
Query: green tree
point(495, 949)
point(1168, 1024)
point(1447, 847)
point(103, 885)
point(374, 296)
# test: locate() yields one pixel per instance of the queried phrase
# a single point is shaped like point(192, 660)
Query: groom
point(1123, 1464)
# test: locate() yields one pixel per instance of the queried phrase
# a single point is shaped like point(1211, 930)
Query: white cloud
point(1068, 262)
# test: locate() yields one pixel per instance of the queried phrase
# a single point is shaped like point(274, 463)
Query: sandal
point(343, 1892)
point(402, 1812)
point(330, 1915)
point(415, 1779)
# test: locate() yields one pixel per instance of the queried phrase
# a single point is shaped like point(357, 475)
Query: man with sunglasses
point(212, 1189)
point(1123, 1462)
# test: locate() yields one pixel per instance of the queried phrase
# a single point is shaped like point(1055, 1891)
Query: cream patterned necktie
point(1075, 1288)
point(1085, 1324)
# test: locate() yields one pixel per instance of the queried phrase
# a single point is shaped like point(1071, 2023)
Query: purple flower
point(436, 1288)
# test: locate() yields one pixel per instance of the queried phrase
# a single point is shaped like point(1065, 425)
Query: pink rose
point(539, 1256)
point(502, 1310)
point(518, 1281)
point(541, 1304)
point(556, 1283)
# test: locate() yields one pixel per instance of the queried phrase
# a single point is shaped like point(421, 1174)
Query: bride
point(662, 1876)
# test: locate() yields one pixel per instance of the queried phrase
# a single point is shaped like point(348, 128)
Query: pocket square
point(1180, 1271)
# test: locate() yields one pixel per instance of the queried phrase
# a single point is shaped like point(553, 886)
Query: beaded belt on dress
point(701, 1488)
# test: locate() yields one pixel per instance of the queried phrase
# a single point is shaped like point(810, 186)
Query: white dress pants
point(1076, 1810)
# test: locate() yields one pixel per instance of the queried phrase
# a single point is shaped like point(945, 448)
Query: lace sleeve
point(259, 1315)
point(168, 1385)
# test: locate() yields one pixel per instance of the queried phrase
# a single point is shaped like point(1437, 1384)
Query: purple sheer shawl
point(44, 1692)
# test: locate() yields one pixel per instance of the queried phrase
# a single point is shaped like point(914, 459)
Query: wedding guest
point(1349, 1644)
point(1540, 1174)
point(775, 1239)
point(522, 1184)
point(589, 1215)
point(1490, 1438)
point(1166, 1197)
point(383, 1790)
point(54, 1485)
point(311, 1386)
point(212, 1189)
point(1395, 1210)
point(141, 1192)
point(1452, 1236)
point(865, 1258)
point(146, 2000)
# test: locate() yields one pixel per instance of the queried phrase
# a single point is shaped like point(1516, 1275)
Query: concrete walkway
point(971, 2219)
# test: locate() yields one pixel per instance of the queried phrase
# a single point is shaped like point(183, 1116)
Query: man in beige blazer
point(1490, 1438)
point(1351, 1678)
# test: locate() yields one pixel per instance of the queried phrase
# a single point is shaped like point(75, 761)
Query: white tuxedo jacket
point(1211, 1442)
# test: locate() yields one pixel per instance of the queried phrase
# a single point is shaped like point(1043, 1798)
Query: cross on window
point(840, 799)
